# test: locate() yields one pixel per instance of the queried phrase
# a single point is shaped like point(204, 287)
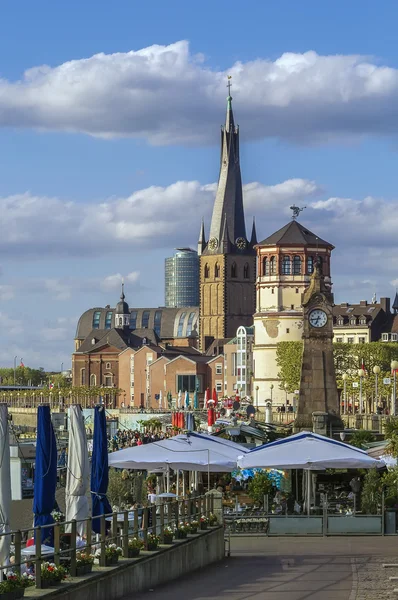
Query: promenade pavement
point(261, 568)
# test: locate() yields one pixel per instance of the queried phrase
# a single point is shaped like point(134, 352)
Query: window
point(296, 265)
point(133, 320)
point(353, 320)
point(265, 266)
point(272, 290)
point(108, 380)
point(340, 321)
point(217, 270)
point(349, 310)
point(272, 265)
point(286, 265)
point(82, 376)
point(207, 271)
point(371, 309)
point(384, 337)
point(219, 369)
point(96, 319)
point(310, 265)
point(350, 340)
point(120, 321)
point(188, 383)
point(218, 387)
point(363, 321)
point(149, 358)
point(246, 271)
point(190, 322)
point(297, 290)
point(93, 380)
point(287, 330)
point(145, 319)
point(292, 307)
point(157, 322)
point(361, 340)
point(181, 324)
point(394, 337)
point(233, 270)
point(108, 366)
point(339, 340)
point(108, 319)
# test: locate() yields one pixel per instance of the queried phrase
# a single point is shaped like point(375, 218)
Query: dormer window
point(353, 321)
point(93, 341)
point(363, 321)
point(340, 321)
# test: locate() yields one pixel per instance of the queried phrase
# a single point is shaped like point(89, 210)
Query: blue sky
point(93, 150)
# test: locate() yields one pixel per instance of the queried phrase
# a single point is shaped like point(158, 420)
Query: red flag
point(363, 368)
point(22, 365)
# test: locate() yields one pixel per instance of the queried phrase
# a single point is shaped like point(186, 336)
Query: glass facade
point(182, 279)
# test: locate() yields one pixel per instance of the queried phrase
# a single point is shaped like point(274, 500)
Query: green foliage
point(120, 488)
point(371, 492)
point(361, 437)
point(288, 359)
point(150, 424)
point(259, 487)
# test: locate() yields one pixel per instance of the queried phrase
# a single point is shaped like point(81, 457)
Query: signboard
point(59, 420)
point(387, 380)
point(355, 384)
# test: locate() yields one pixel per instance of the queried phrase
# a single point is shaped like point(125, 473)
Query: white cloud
point(113, 282)
point(161, 93)
point(6, 292)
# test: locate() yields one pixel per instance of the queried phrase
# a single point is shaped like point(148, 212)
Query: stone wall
point(150, 571)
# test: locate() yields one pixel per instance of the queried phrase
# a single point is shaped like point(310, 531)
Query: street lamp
point(394, 367)
point(345, 377)
point(361, 374)
point(271, 387)
point(257, 388)
point(376, 371)
point(286, 388)
point(15, 369)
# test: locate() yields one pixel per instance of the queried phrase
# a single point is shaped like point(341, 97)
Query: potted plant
point(112, 553)
point(204, 521)
point(84, 563)
point(51, 574)
point(181, 531)
point(193, 526)
point(135, 546)
point(152, 542)
point(13, 587)
point(212, 519)
point(168, 535)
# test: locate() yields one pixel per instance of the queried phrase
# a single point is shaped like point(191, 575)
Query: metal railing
point(116, 528)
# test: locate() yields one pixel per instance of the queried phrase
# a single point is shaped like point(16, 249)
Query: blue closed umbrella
point(45, 474)
point(99, 469)
point(186, 399)
point(196, 400)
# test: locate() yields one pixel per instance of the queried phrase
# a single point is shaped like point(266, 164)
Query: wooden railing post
point(162, 523)
point(136, 522)
point(145, 527)
point(125, 545)
point(102, 540)
point(154, 520)
point(114, 528)
point(17, 550)
point(38, 557)
point(57, 543)
point(89, 530)
point(73, 548)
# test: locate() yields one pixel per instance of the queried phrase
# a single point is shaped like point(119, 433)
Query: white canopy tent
point(5, 485)
point(78, 474)
point(308, 451)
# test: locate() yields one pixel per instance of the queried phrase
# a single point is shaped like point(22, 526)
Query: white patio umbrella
point(160, 399)
point(5, 485)
point(179, 398)
point(78, 474)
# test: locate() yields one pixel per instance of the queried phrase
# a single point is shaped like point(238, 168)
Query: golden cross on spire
point(229, 84)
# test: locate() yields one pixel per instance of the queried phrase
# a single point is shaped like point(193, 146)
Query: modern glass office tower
point(182, 279)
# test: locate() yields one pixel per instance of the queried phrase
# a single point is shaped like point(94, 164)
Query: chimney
point(363, 303)
point(385, 305)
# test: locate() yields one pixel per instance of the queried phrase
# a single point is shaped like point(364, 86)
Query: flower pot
point(83, 570)
point(46, 583)
point(152, 547)
point(203, 526)
point(193, 530)
point(134, 552)
point(168, 539)
point(13, 594)
point(111, 560)
point(180, 535)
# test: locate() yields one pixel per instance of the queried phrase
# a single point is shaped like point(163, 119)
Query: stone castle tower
point(227, 260)
point(285, 263)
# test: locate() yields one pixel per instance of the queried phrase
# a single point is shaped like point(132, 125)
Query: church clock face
point(213, 243)
point(240, 243)
point(318, 318)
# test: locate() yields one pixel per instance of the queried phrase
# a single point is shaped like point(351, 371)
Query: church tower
point(227, 260)
point(122, 312)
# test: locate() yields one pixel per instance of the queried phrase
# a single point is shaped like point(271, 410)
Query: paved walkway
point(261, 568)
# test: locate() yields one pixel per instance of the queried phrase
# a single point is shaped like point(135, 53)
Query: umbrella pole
point(308, 493)
point(183, 484)
point(168, 479)
point(208, 470)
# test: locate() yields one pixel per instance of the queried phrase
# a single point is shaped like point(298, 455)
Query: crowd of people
point(127, 438)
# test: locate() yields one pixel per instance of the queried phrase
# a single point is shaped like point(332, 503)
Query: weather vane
point(229, 84)
point(296, 211)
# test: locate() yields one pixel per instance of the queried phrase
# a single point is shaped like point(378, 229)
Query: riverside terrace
point(150, 530)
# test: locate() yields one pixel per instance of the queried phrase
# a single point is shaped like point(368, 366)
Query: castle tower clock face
point(318, 318)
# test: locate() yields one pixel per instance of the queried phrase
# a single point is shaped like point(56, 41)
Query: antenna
point(229, 84)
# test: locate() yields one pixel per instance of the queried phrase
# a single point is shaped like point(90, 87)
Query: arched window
point(82, 376)
point(265, 266)
point(158, 322)
point(246, 271)
point(286, 265)
point(108, 366)
point(272, 265)
point(145, 319)
point(310, 264)
point(296, 265)
point(93, 380)
point(217, 270)
point(121, 322)
point(108, 319)
point(207, 271)
point(108, 380)
point(233, 270)
point(190, 322)
point(96, 319)
point(181, 324)
point(133, 320)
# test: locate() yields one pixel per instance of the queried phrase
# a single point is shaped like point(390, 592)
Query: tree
point(361, 437)
point(259, 487)
point(288, 358)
